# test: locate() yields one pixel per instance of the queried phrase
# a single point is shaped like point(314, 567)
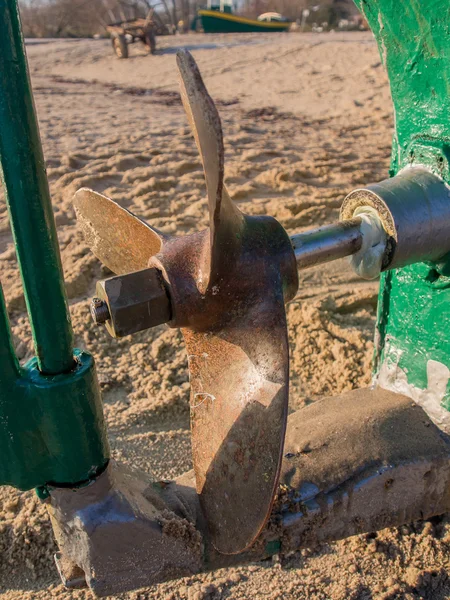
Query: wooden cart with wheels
point(128, 32)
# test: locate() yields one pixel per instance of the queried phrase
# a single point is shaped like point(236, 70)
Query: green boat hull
point(214, 21)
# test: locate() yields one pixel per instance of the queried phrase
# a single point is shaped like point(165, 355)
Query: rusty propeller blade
point(122, 241)
point(239, 398)
point(236, 337)
point(225, 219)
point(237, 345)
point(228, 286)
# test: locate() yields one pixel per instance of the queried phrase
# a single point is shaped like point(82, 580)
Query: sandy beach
point(306, 118)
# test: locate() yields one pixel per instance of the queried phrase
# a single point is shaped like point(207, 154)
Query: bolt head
point(135, 301)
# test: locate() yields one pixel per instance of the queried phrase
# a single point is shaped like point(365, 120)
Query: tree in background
point(60, 18)
point(85, 18)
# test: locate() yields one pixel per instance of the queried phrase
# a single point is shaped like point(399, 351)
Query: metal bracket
point(355, 463)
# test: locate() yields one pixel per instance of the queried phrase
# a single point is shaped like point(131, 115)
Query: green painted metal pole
point(29, 205)
point(9, 365)
point(52, 428)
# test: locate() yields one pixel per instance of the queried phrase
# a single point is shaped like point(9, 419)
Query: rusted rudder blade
point(228, 288)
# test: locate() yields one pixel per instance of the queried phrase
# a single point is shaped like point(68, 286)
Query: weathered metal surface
point(134, 302)
point(51, 426)
point(99, 311)
point(412, 342)
point(123, 532)
point(414, 208)
point(327, 243)
point(51, 421)
point(362, 461)
point(226, 221)
point(28, 200)
point(359, 462)
point(122, 241)
point(228, 287)
point(72, 576)
point(414, 46)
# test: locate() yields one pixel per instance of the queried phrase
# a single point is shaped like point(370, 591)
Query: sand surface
point(306, 119)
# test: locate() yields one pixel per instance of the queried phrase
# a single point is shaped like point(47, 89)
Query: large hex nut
point(136, 301)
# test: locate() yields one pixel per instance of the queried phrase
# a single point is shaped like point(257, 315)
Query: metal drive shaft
point(327, 243)
point(128, 311)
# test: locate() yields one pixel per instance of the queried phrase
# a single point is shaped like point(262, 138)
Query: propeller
point(228, 286)
point(225, 219)
point(117, 237)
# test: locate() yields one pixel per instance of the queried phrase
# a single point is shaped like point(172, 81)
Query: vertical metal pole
point(29, 204)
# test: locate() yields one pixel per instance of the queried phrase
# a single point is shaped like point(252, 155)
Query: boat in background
point(220, 19)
